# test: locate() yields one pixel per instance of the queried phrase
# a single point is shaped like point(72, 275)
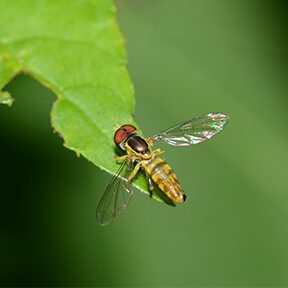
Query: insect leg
point(134, 172)
point(120, 158)
point(150, 184)
point(158, 152)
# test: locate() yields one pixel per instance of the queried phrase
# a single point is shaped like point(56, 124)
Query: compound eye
point(129, 128)
point(122, 133)
point(119, 136)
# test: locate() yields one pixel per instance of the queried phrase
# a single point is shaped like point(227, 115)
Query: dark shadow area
point(275, 15)
point(38, 179)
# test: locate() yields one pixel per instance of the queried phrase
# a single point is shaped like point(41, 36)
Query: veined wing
point(194, 131)
point(117, 195)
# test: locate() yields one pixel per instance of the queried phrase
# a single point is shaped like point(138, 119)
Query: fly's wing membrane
point(194, 131)
point(117, 195)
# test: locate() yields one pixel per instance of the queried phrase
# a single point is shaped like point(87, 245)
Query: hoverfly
point(139, 154)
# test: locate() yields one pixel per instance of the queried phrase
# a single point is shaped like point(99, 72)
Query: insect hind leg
point(150, 184)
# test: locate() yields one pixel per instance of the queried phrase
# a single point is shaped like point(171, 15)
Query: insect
point(139, 155)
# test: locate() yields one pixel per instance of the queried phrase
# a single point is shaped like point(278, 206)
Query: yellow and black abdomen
point(163, 175)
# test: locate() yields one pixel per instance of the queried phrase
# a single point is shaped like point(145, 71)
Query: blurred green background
point(185, 58)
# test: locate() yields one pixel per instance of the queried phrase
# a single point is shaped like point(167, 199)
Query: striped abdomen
point(163, 175)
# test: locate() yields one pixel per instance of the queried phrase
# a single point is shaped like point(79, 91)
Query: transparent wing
point(194, 131)
point(117, 195)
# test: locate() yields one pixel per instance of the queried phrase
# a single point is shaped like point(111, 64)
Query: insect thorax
point(138, 145)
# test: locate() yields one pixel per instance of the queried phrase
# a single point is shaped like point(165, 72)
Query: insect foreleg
point(134, 172)
point(120, 158)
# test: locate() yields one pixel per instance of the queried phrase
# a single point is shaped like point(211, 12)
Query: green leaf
point(74, 48)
